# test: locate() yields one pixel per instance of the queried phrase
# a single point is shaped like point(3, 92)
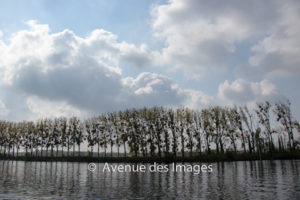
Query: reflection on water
point(229, 180)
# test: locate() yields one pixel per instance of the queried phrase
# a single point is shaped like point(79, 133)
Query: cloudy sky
point(64, 58)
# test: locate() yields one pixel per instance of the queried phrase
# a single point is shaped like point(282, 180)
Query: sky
point(83, 58)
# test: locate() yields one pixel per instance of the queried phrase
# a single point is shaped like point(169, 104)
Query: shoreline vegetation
point(213, 157)
point(268, 132)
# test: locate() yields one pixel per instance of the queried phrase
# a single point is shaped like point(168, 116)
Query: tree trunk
point(4, 150)
point(207, 145)
point(249, 144)
point(174, 143)
point(159, 150)
point(151, 146)
point(79, 150)
point(146, 150)
point(118, 148)
point(51, 150)
point(111, 149)
point(182, 144)
point(234, 145)
point(243, 141)
point(92, 151)
point(56, 150)
point(31, 151)
point(143, 147)
point(279, 144)
point(13, 150)
point(199, 143)
point(167, 146)
point(74, 150)
point(217, 145)
point(282, 145)
point(36, 151)
point(253, 142)
point(221, 145)
point(233, 142)
point(125, 149)
point(191, 148)
point(105, 150)
point(136, 153)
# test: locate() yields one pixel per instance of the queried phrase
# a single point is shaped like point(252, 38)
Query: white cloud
point(62, 74)
point(45, 108)
point(243, 92)
point(138, 57)
point(197, 99)
point(202, 36)
point(3, 110)
point(278, 53)
point(44, 73)
point(152, 89)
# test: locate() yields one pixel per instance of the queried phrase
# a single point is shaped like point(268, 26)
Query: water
point(229, 180)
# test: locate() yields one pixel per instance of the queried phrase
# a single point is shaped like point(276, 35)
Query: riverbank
point(228, 156)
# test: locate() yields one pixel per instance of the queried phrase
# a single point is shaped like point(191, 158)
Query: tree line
point(157, 132)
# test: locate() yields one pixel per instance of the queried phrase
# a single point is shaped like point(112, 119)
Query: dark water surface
point(229, 180)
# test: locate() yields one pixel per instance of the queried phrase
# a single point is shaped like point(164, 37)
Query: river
point(227, 180)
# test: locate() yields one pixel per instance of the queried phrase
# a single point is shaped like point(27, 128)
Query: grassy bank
point(228, 156)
